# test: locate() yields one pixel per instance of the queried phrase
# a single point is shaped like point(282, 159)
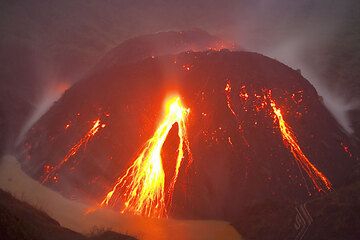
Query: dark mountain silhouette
point(19, 220)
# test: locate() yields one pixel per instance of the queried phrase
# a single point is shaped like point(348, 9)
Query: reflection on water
point(70, 214)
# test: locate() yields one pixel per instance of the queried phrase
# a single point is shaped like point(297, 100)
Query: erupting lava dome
point(239, 129)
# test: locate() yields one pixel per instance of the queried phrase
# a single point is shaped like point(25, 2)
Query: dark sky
point(92, 27)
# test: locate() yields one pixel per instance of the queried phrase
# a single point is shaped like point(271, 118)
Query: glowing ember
point(187, 67)
point(243, 94)
point(320, 181)
point(49, 173)
point(142, 187)
point(346, 149)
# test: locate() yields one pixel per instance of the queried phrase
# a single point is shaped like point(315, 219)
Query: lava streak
point(262, 101)
point(83, 141)
point(142, 187)
point(319, 179)
point(228, 98)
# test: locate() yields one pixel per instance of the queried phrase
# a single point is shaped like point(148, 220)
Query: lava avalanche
point(318, 178)
point(143, 184)
point(49, 173)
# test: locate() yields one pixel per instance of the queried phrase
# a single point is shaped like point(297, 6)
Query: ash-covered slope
point(240, 157)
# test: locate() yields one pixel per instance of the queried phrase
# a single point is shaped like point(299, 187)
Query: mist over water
point(72, 214)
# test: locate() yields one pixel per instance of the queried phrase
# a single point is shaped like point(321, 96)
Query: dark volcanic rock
point(226, 181)
point(19, 220)
point(336, 215)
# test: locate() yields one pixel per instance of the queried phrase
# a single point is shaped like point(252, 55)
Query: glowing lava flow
point(320, 181)
point(83, 141)
point(143, 185)
point(228, 98)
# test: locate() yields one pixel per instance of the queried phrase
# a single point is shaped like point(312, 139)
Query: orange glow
point(143, 185)
point(49, 173)
point(319, 179)
point(62, 87)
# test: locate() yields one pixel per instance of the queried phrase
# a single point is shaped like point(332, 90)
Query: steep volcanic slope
point(258, 132)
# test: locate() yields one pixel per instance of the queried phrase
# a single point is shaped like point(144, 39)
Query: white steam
point(51, 93)
point(290, 53)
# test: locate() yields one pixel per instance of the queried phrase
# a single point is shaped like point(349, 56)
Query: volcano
point(257, 131)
